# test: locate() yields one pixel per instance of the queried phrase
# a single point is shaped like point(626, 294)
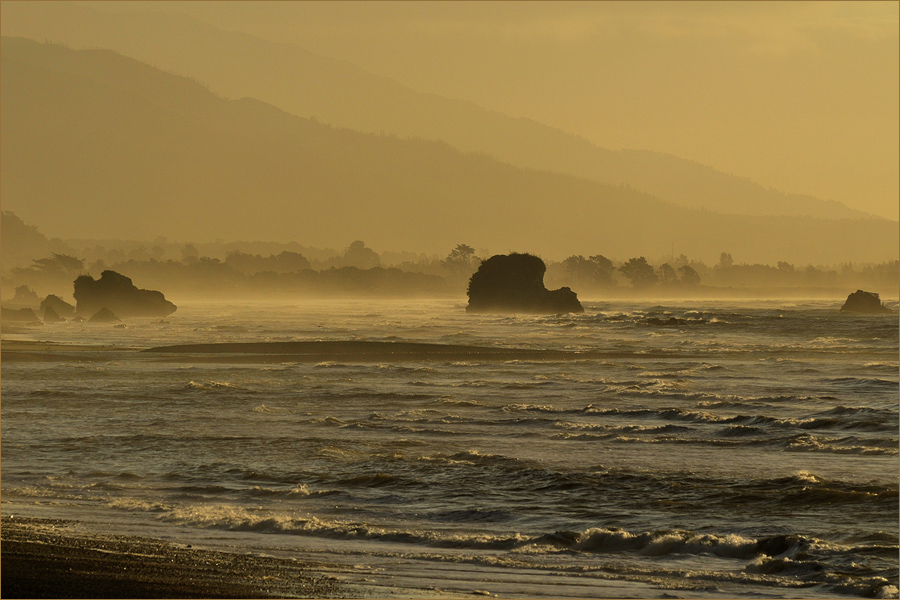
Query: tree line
point(358, 269)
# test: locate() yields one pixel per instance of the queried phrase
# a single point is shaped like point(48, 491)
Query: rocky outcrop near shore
point(515, 283)
point(864, 302)
point(117, 293)
point(57, 308)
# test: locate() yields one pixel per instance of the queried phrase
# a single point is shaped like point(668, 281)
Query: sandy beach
point(50, 558)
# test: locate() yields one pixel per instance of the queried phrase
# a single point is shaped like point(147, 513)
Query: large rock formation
point(25, 297)
point(22, 315)
point(117, 293)
point(104, 315)
point(864, 302)
point(515, 283)
point(60, 307)
point(51, 316)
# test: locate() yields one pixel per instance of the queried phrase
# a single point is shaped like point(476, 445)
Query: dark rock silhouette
point(60, 307)
point(117, 293)
point(104, 315)
point(864, 302)
point(515, 283)
point(22, 315)
point(25, 296)
point(51, 316)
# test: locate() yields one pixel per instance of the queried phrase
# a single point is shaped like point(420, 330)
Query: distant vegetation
point(598, 276)
point(268, 269)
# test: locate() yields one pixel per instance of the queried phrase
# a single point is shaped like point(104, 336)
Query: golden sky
point(800, 96)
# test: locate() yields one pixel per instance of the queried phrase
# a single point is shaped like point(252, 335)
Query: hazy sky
point(800, 96)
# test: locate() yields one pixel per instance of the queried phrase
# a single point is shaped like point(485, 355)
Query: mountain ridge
point(343, 94)
point(87, 151)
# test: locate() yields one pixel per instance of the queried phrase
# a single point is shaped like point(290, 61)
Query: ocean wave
point(591, 541)
point(811, 443)
point(740, 431)
point(377, 480)
point(214, 386)
point(298, 491)
point(838, 418)
point(660, 543)
point(742, 436)
point(883, 367)
point(458, 402)
point(863, 382)
point(233, 518)
point(545, 408)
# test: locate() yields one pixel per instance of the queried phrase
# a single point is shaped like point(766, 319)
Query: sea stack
point(58, 306)
point(515, 283)
point(104, 315)
point(864, 302)
point(117, 293)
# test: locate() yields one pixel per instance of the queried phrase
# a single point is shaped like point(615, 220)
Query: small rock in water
point(104, 315)
point(864, 302)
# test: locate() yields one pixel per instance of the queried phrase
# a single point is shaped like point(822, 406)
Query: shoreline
point(50, 558)
point(68, 558)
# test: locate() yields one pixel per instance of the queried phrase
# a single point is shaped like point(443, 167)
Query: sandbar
point(37, 351)
point(355, 351)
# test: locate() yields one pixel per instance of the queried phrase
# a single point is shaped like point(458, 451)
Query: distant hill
point(98, 145)
point(337, 92)
point(20, 243)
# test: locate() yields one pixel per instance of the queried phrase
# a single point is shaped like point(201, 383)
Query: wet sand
point(30, 351)
point(49, 558)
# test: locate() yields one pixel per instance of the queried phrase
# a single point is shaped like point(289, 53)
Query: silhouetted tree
point(60, 263)
point(639, 272)
point(682, 259)
point(595, 271)
point(462, 253)
point(725, 260)
point(667, 274)
point(73, 266)
point(578, 268)
point(360, 256)
point(461, 260)
point(286, 262)
point(25, 295)
point(785, 266)
point(189, 253)
point(289, 262)
point(603, 263)
point(98, 266)
point(47, 266)
point(689, 275)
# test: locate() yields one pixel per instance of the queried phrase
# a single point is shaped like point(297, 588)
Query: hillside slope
point(98, 145)
point(342, 94)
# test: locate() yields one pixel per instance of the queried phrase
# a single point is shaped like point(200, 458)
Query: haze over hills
point(239, 65)
point(99, 145)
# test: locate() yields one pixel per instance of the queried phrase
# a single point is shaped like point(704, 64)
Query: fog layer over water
point(712, 449)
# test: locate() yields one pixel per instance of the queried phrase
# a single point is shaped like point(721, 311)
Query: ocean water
point(711, 448)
